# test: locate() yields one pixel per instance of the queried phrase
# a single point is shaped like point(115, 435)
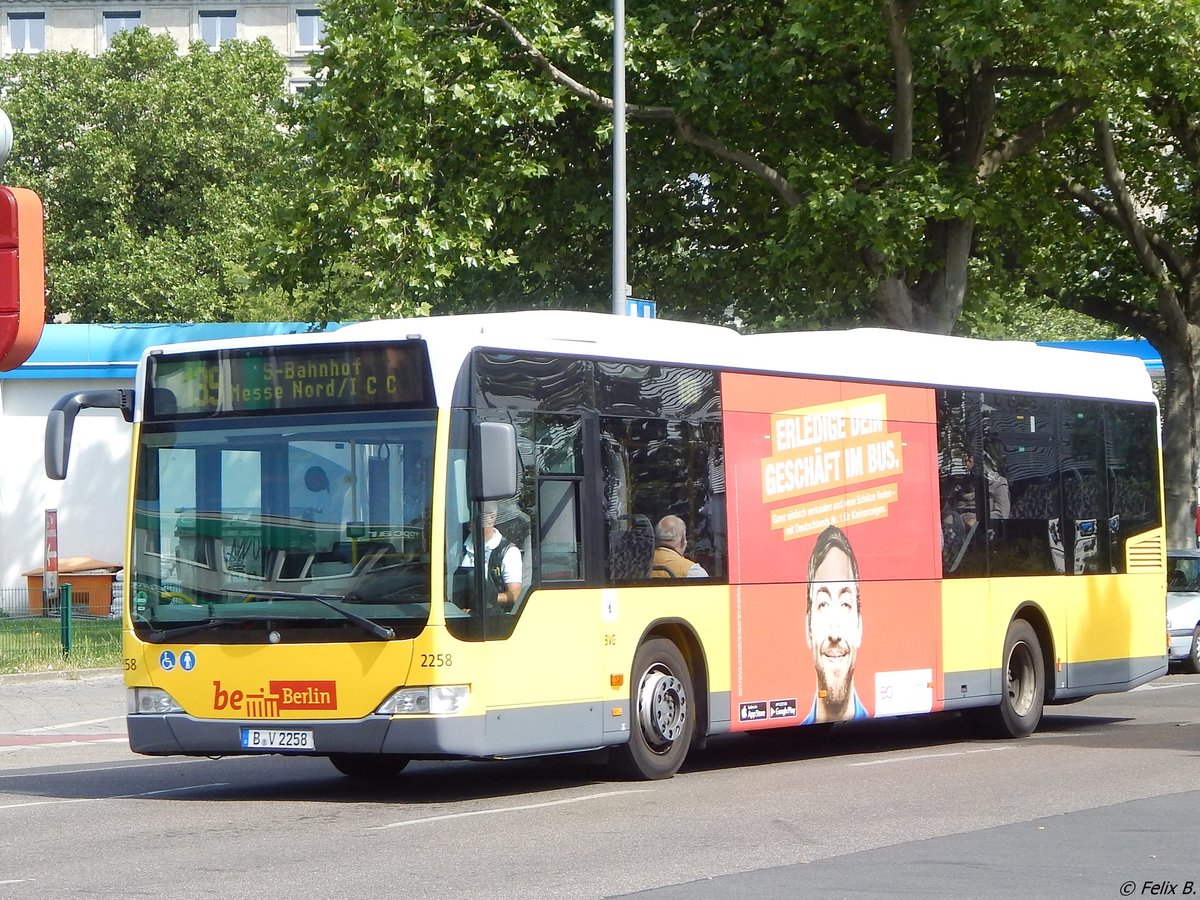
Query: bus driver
point(503, 559)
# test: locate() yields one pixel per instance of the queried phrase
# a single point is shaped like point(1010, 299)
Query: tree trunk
point(935, 302)
point(1181, 368)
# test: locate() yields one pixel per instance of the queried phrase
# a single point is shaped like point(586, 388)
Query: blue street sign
point(639, 309)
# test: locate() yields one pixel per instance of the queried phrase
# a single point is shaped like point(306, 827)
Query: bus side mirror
point(61, 422)
point(495, 449)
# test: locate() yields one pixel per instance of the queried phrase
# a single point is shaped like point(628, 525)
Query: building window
point(218, 27)
point(26, 32)
point(116, 22)
point(310, 29)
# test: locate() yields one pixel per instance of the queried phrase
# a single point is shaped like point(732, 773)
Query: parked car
point(1183, 607)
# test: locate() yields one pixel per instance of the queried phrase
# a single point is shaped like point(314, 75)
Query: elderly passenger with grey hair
point(670, 536)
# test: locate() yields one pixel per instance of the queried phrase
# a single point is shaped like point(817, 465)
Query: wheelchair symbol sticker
point(166, 660)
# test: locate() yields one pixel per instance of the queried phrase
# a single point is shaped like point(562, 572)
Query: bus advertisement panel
point(836, 604)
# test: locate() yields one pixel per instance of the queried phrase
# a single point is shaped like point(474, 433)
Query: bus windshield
point(288, 528)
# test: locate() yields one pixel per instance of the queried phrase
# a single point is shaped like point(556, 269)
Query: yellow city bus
point(686, 532)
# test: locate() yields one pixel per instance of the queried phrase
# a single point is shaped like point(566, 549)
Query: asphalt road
point(1100, 802)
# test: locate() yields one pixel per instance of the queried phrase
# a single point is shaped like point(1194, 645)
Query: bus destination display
point(286, 379)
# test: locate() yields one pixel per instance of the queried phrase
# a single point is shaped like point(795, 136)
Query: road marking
point(1155, 686)
point(900, 759)
point(69, 725)
point(117, 767)
point(509, 809)
point(192, 787)
point(32, 742)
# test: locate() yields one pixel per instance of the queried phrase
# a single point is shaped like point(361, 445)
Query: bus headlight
point(142, 701)
point(444, 699)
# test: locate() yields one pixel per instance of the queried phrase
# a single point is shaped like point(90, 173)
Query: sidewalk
point(41, 709)
point(55, 675)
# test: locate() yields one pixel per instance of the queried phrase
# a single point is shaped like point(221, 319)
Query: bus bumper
point(178, 734)
point(500, 733)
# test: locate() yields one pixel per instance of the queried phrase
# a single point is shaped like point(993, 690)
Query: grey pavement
point(73, 702)
point(1142, 848)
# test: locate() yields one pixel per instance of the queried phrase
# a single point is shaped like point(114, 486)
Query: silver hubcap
point(662, 708)
point(1021, 679)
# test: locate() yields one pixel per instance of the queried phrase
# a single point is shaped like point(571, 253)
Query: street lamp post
point(619, 277)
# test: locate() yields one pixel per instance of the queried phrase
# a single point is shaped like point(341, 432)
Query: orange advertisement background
point(896, 545)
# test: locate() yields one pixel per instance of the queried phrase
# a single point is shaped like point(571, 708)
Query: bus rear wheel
point(662, 716)
point(368, 765)
point(1023, 693)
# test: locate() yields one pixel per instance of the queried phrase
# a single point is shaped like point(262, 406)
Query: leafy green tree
point(786, 162)
point(154, 169)
point(1124, 247)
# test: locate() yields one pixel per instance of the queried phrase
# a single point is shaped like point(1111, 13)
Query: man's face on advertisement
point(834, 626)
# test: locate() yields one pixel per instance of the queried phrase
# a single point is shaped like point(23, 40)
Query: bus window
point(559, 474)
point(237, 521)
point(966, 507)
point(1025, 434)
point(1132, 468)
point(479, 603)
point(1084, 485)
point(654, 468)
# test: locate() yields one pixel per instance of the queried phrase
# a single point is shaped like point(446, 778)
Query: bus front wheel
point(1023, 692)
point(661, 713)
point(368, 765)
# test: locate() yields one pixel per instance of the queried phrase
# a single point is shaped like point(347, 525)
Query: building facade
point(295, 29)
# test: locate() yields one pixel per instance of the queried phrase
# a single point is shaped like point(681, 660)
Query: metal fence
point(42, 637)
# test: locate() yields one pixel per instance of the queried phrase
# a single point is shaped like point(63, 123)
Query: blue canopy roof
point(113, 351)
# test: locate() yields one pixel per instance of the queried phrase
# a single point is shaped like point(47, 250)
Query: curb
point(58, 675)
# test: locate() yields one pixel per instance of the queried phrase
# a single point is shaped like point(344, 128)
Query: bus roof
point(867, 354)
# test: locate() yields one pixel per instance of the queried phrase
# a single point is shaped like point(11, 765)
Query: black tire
point(372, 766)
point(1024, 690)
point(662, 716)
point(1193, 660)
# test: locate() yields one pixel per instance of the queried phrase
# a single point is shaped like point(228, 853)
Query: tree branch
point(1148, 254)
point(1058, 118)
point(862, 130)
point(902, 121)
point(1160, 250)
point(980, 112)
point(684, 129)
point(1123, 315)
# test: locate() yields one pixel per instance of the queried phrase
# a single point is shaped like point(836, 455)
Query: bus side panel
point(562, 680)
point(1105, 632)
point(970, 657)
point(1115, 632)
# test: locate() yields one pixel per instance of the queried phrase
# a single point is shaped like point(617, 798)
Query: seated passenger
point(670, 537)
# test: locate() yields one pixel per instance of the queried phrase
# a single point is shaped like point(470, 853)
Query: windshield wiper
point(161, 636)
point(382, 632)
